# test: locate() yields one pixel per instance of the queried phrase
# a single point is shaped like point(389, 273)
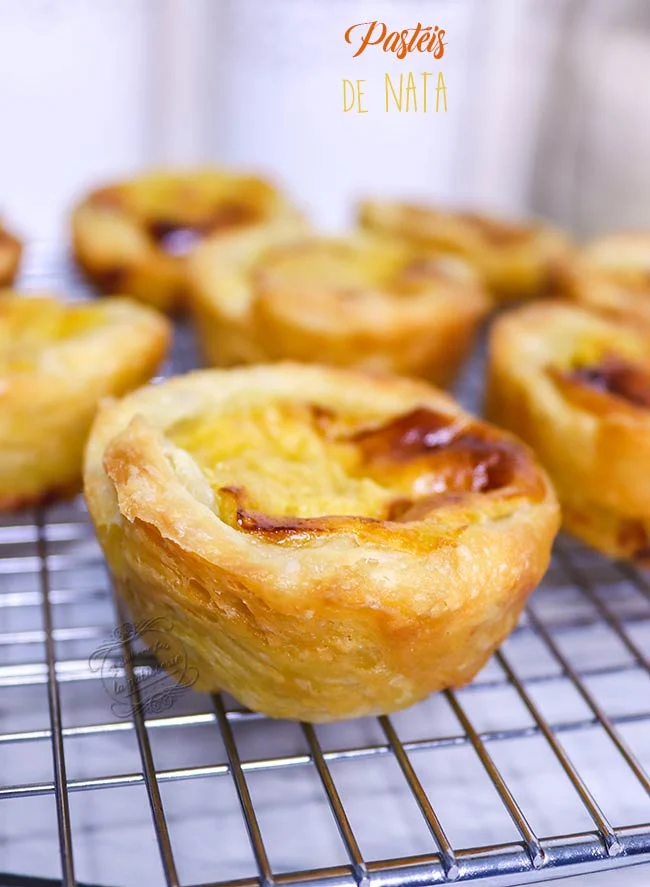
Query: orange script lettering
point(401, 43)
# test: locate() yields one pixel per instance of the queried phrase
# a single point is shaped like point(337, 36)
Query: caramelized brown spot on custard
point(399, 509)
point(178, 237)
point(614, 375)
point(237, 512)
point(466, 458)
point(633, 538)
point(323, 417)
point(407, 436)
point(557, 282)
point(422, 460)
point(632, 535)
point(258, 522)
point(112, 280)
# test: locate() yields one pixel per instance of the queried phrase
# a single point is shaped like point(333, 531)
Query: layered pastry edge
point(320, 616)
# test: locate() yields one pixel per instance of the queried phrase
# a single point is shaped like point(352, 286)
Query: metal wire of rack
point(536, 770)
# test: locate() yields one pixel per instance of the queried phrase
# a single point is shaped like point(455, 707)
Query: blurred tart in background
point(362, 301)
point(575, 385)
point(517, 261)
point(57, 361)
point(612, 275)
point(134, 237)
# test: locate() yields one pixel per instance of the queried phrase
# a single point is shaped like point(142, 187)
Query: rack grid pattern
point(564, 704)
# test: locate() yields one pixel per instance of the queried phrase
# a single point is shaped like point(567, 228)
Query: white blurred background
point(549, 111)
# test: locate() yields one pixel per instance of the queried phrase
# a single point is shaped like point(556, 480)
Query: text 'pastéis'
point(418, 39)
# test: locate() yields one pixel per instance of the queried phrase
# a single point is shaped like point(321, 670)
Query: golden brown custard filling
point(348, 270)
point(288, 466)
point(30, 327)
point(178, 213)
point(615, 376)
point(178, 237)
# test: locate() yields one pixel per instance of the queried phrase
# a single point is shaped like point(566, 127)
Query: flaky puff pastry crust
point(517, 261)
point(10, 254)
point(326, 544)
point(134, 237)
point(57, 361)
point(576, 387)
point(357, 301)
point(612, 275)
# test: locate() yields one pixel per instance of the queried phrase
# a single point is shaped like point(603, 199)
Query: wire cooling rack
point(536, 770)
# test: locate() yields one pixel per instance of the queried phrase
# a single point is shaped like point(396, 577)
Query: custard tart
point(10, 253)
point(357, 301)
point(517, 261)
point(576, 386)
point(134, 237)
point(325, 543)
point(612, 275)
point(57, 361)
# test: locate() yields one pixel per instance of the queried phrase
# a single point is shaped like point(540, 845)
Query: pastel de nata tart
point(57, 361)
point(357, 301)
point(517, 261)
point(326, 543)
point(135, 236)
point(576, 386)
point(10, 253)
point(612, 275)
